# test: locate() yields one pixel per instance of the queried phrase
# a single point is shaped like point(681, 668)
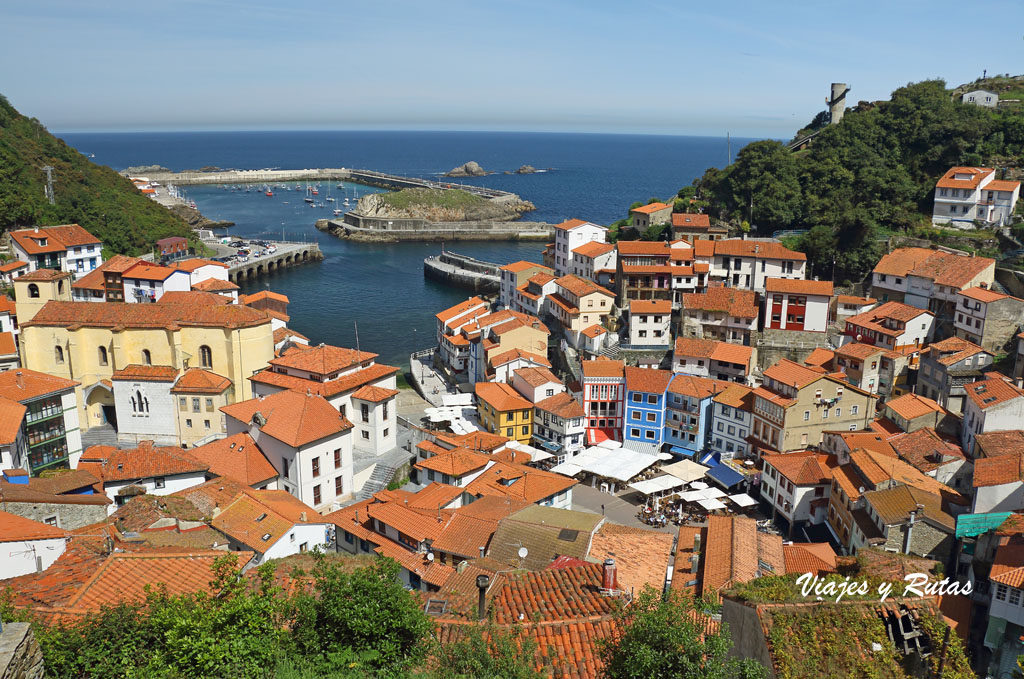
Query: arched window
point(146, 358)
point(145, 404)
point(205, 357)
point(103, 356)
point(58, 355)
point(33, 290)
point(135, 407)
point(60, 287)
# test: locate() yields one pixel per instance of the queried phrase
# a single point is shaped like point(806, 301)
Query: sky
point(751, 68)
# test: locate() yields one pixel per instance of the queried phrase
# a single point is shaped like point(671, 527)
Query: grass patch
point(403, 381)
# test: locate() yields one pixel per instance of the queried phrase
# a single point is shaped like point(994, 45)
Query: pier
point(463, 272)
point(368, 177)
point(288, 254)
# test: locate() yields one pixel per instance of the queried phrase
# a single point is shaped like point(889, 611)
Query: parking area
point(240, 250)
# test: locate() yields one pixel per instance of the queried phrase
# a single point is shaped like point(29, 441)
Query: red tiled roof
point(1008, 566)
point(553, 594)
point(983, 295)
point(169, 316)
point(996, 471)
point(536, 377)
point(581, 286)
point(691, 220)
point(59, 238)
point(341, 385)
point(262, 295)
point(813, 557)
point(854, 300)
point(7, 345)
point(149, 272)
point(200, 381)
point(952, 350)
point(259, 518)
point(803, 468)
point(734, 551)
point(291, 417)
point(374, 394)
point(11, 415)
point(455, 463)
point(942, 267)
point(641, 556)
point(737, 247)
point(44, 275)
point(570, 224)
point(603, 368)
point(593, 248)
point(145, 373)
point(992, 392)
point(912, 406)
point(14, 528)
point(798, 287)
point(563, 405)
point(476, 304)
point(236, 457)
point(792, 374)
point(647, 380)
point(643, 247)
point(14, 265)
point(926, 450)
point(214, 285)
point(650, 306)
point(323, 359)
point(127, 464)
point(977, 174)
point(714, 350)
point(733, 301)
point(196, 263)
point(518, 482)
point(651, 208)
point(500, 396)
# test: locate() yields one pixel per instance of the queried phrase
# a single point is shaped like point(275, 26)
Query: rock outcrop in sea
point(470, 169)
point(434, 205)
point(526, 169)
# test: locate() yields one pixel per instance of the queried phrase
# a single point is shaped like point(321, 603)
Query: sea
point(375, 295)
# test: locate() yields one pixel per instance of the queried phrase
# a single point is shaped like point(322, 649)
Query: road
point(587, 499)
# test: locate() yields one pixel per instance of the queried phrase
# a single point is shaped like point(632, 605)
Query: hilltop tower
point(837, 102)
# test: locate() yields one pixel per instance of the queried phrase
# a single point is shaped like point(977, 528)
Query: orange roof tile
point(593, 331)
point(593, 249)
point(500, 396)
point(733, 301)
point(734, 551)
point(570, 224)
point(952, 350)
point(11, 415)
point(214, 285)
point(553, 594)
point(792, 374)
point(996, 471)
point(1002, 185)
point(603, 368)
point(643, 247)
point(691, 220)
point(61, 237)
point(290, 417)
point(977, 174)
point(912, 406)
point(14, 528)
point(736, 396)
point(798, 287)
point(942, 267)
point(341, 385)
point(149, 272)
point(473, 304)
point(868, 439)
point(651, 208)
point(714, 350)
point(200, 381)
point(647, 380)
point(145, 373)
point(983, 295)
point(518, 482)
point(536, 377)
point(994, 443)
point(236, 457)
point(323, 359)
point(374, 394)
point(859, 350)
point(196, 263)
point(1008, 566)
point(650, 306)
point(455, 463)
point(7, 344)
point(738, 247)
point(14, 265)
point(516, 354)
point(521, 265)
point(144, 461)
point(563, 405)
point(926, 451)
point(44, 275)
point(854, 300)
point(992, 392)
point(259, 518)
point(641, 556)
point(170, 316)
point(581, 286)
point(816, 557)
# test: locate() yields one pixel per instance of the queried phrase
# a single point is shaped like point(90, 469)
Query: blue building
point(645, 405)
point(688, 412)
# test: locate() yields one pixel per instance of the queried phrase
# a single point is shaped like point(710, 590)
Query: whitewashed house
point(28, 546)
point(965, 195)
point(649, 322)
point(995, 404)
point(536, 384)
point(571, 234)
point(146, 282)
point(986, 98)
point(144, 404)
point(559, 426)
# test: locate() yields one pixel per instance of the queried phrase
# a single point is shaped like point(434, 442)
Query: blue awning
point(682, 452)
point(725, 476)
point(711, 459)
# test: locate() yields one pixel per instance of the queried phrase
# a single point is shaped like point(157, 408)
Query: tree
point(487, 652)
point(765, 185)
point(662, 637)
point(364, 617)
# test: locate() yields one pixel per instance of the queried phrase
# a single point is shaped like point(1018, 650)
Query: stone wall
point(796, 345)
point(20, 657)
point(69, 516)
point(747, 635)
point(355, 227)
point(925, 540)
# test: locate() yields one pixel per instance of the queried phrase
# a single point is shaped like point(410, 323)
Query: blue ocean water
point(380, 287)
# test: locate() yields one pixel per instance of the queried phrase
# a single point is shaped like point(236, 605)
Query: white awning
point(705, 494)
point(687, 470)
point(618, 464)
point(711, 504)
point(743, 500)
point(457, 400)
point(536, 454)
point(699, 485)
point(657, 485)
point(567, 469)
point(664, 456)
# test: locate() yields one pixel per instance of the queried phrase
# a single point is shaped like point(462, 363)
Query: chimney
point(696, 542)
point(216, 512)
point(302, 517)
point(482, 583)
point(609, 581)
point(910, 530)
point(482, 550)
point(21, 379)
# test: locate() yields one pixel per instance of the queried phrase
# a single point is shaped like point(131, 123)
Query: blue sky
point(750, 68)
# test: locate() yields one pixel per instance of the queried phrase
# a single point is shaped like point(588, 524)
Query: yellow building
point(33, 290)
point(199, 395)
point(503, 411)
point(88, 342)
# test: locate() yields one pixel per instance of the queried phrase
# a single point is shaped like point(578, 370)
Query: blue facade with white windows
point(688, 413)
point(645, 405)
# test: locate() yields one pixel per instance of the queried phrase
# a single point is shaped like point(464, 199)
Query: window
point(209, 405)
point(854, 409)
point(284, 468)
point(205, 357)
point(195, 405)
point(1001, 591)
point(337, 458)
point(649, 434)
point(188, 424)
point(549, 392)
point(147, 358)
point(634, 432)
point(316, 466)
point(339, 485)
point(103, 355)
point(206, 424)
point(386, 432)
point(526, 431)
point(807, 415)
point(364, 410)
point(341, 410)
point(839, 412)
point(1014, 596)
point(159, 482)
point(58, 355)
point(636, 398)
point(33, 290)
point(509, 417)
point(635, 415)
point(182, 404)
point(509, 432)
point(366, 435)
point(316, 494)
point(50, 520)
point(651, 417)
point(652, 399)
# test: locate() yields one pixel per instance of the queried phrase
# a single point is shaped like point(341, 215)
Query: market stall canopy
point(725, 476)
point(536, 454)
point(698, 495)
point(664, 456)
point(743, 500)
point(687, 470)
point(700, 485)
point(657, 485)
point(620, 464)
point(711, 504)
point(457, 400)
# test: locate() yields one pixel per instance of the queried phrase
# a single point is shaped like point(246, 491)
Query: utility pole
point(49, 183)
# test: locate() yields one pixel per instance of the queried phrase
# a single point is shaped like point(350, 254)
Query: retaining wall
point(20, 656)
point(354, 227)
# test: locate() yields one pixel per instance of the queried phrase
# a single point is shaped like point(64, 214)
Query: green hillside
point(872, 174)
point(101, 200)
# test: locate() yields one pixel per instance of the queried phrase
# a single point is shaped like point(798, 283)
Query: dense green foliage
point(660, 637)
point(873, 172)
point(105, 203)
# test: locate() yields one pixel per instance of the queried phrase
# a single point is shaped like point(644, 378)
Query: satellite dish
point(861, 490)
point(430, 556)
point(860, 337)
point(523, 551)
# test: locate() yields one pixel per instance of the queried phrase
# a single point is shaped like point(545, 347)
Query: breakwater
point(369, 177)
point(378, 230)
point(463, 272)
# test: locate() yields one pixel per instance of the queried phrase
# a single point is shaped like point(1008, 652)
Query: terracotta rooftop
point(651, 208)
point(236, 457)
point(200, 381)
point(975, 174)
point(957, 271)
point(522, 265)
point(580, 287)
point(341, 385)
point(536, 377)
point(546, 532)
point(197, 263)
point(926, 451)
point(145, 373)
point(737, 247)
point(631, 248)
point(259, 518)
point(641, 556)
point(647, 380)
point(952, 350)
point(996, 471)
point(803, 468)
point(420, 525)
point(853, 300)
point(147, 271)
point(474, 304)
point(984, 295)
point(455, 463)
point(570, 224)
point(603, 368)
point(500, 396)
point(12, 414)
point(43, 275)
point(323, 359)
point(518, 482)
point(553, 594)
point(798, 287)
point(714, 350)
point(894, 506)
point(911, 406)
point(144, 461)
point(809, 557)
point(168, 316)
point(1008, 566)
point(650, 306)
point(374, 394)
point(264, 295)
point(732, 301)
point(994, 443)
point(214, 285)
point(562, 405)
point(992, 392)
point(691, 220)
point(14, 528)
point(869, 440)
point(792, 374)
point(735, 550)
point(193, 297)
point(58, 238)
point(859, 350)
point(14, 265)
point(291, 417)
point(516, 354)
point(593, 249)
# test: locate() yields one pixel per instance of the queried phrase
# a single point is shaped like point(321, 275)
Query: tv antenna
point(49, 183)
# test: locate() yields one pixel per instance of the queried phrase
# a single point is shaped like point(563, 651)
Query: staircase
point(101, 435)
point(611, 351)
point(378, 481)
